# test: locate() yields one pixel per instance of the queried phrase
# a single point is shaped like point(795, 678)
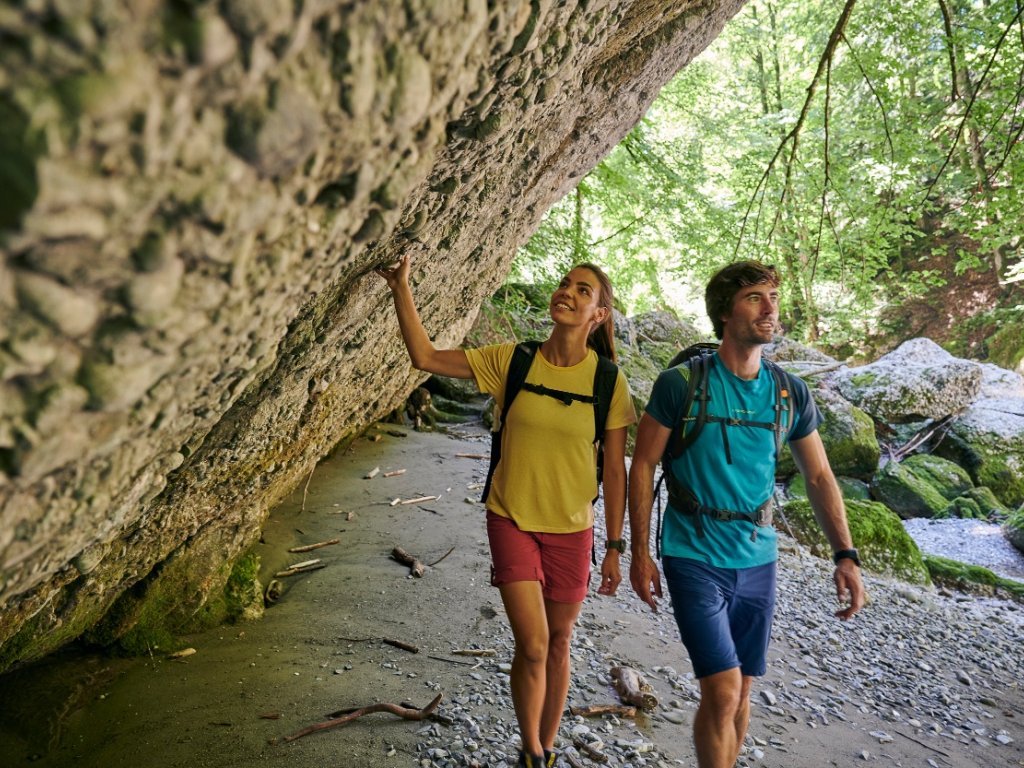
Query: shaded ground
point(836, 694)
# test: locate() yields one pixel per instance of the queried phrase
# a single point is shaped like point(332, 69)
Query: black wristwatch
point(619, 544)
point(846, 554)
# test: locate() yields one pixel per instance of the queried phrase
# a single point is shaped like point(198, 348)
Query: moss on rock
point(920, 486)
point(848, 434)
point(850, 487)
point(972, 578)
point(1013, 529)
point(885, 546)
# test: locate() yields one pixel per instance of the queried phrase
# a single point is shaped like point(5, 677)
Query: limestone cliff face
point(192, 198)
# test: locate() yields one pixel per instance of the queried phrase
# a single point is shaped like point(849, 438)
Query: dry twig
point(333, 722)
point(311, 547)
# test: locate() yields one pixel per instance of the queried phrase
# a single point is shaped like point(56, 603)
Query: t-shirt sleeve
point(490, 367)
point(667, 396)
point(807, 416)
point(621, 412)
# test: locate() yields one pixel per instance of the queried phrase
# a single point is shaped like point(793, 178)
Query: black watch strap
point(846, 554)
point(619, 544)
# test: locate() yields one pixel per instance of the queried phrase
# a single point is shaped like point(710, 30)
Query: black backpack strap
point(518, 368)
point(696, 389)
point(605, 378)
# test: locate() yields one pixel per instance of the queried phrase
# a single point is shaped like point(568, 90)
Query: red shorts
point(559, 561)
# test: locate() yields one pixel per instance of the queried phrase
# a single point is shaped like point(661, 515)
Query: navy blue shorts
point(724, 614)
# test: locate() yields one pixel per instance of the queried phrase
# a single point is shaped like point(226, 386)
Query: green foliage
point(899, 160)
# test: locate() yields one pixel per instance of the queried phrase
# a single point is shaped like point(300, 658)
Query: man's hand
point(646, 579)
point(611, 575)
point(849, 588)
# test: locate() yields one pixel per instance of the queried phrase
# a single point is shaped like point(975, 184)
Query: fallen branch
point(633, 689)
point(572, 758)
point(442, 557)
point(303, 567)
point(823, 369)
point(399, 644)
point(402, 712)
point(306, 488)
point(311, 547)
point(394, 473)
point(923, 744)
point(418, 499)
point(475, 652)
point(471, 456)
point(416, 568)
point(371, 474)
point(603, 709)
point(451, 661)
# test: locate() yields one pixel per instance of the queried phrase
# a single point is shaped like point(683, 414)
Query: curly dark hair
point(727, 282)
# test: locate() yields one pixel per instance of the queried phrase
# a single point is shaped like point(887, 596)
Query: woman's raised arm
point(424, 356)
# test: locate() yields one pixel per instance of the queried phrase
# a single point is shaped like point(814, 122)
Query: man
point(719, 549)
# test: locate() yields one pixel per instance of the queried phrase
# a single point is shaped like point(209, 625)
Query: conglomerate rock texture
point(192, 198)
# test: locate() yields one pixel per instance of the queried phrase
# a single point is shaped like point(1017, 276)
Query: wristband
point(846, 554)
point(619, 544)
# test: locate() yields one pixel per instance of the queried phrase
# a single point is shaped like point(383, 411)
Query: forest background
point(869, 149)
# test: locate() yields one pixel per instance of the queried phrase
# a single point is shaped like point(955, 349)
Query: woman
point(539, 510)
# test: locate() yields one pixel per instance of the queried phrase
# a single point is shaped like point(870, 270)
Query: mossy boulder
point(977, 504)
point(972, 578)
point(988, 438)
point(885, 547)
point(850, 487)
point(920, 486)
point(848, 435)
point(1013, 529)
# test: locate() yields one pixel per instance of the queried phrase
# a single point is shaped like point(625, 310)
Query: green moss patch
point(885, 546)
point(972, 578)
point(920, 486)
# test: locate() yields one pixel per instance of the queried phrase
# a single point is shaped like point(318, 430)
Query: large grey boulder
point(918, 380)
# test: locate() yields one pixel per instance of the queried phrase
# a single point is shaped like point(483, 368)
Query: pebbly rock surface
point(196, 195)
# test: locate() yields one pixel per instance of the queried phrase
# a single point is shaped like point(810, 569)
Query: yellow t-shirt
point(547, 475)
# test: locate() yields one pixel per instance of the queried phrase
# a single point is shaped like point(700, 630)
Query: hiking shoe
point(526, 760)
point(550, 758)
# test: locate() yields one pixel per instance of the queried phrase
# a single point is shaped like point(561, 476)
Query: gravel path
point(969, 541)
point(920, 679)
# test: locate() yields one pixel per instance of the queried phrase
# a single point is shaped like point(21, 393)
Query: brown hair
point(602, 338)
point(727, 282)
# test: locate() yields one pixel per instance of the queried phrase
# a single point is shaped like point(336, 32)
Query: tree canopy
point(871, 150)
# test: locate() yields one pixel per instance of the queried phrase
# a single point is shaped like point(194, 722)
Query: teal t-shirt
point(742, 485)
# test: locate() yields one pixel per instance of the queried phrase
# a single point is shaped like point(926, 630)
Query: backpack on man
point(699, 359)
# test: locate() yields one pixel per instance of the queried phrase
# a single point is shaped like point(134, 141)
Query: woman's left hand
point(610, 573)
